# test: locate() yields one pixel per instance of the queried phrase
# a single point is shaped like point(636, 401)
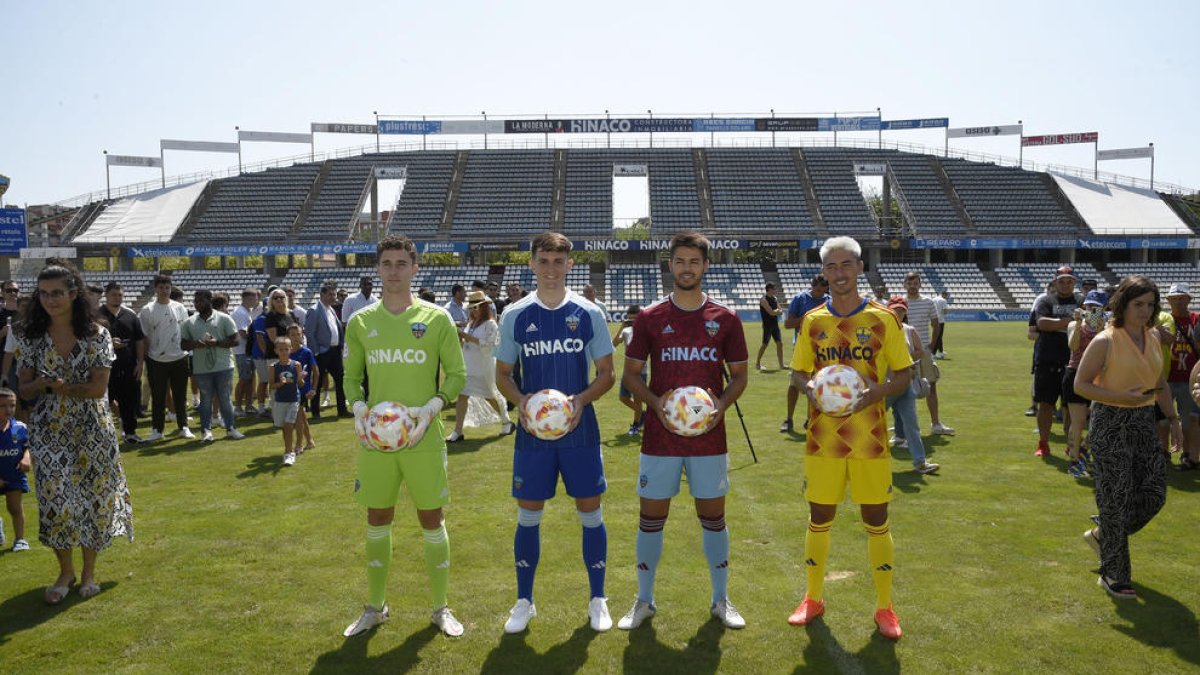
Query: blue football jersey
point(12, 446)
point(556, 348)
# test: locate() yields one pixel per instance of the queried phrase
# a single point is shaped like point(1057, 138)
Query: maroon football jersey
point(686, 348)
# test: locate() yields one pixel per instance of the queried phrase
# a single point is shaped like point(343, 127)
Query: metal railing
point(690, 140)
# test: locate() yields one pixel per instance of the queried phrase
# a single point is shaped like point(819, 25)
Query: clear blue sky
point(82, 77)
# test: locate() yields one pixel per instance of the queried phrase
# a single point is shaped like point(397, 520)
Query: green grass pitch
point(240, 565)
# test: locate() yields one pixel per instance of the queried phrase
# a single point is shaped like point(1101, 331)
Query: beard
point(689, 287)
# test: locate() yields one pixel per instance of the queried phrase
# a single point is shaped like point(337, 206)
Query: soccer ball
point(389, 426)
point(688, 409)
point(837, 389)
point(549, 412)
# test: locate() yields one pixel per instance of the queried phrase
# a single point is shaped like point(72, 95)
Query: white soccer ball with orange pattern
point(688, 409)
point(390, 426)
point(548, 413)
point(837, 389)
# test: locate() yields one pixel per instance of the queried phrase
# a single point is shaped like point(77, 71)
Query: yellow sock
point(881, 551)
point(816, 552)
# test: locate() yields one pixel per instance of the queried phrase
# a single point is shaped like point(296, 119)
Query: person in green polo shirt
point(210, 336)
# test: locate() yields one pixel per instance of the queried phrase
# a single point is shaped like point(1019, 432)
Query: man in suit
point(324, 333)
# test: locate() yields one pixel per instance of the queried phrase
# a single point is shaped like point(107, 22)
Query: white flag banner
point(343, 128)
point(984, 132)
point(391, 172)
point(199, 146)
point(132, 160)
point(274, 137)
point(630, 170)
point(1126, 153)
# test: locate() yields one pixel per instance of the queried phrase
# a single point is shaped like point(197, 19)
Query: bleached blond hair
point(841, 244)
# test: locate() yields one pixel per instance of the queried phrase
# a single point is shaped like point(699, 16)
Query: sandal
point(56, 594)
point(1120, 591)
point(88, 590)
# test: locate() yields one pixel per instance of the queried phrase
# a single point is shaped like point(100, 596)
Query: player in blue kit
point(555, 336)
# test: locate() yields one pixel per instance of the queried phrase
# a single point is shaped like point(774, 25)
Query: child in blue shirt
point(287, 376)
point(14, 464)
point(304, 356)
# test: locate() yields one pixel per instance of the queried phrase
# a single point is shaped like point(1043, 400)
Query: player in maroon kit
point(688, 338)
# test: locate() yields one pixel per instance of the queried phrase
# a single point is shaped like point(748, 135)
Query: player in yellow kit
point(858, 332)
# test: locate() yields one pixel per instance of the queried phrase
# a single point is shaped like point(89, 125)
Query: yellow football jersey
point(871, 340)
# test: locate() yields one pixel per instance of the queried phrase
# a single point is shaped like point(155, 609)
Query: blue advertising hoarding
point(12, 231)
point(1094, 243)
point(284, 249)
point(723, 124)
point(926, 123)
point(419, 127)
point(847, 124)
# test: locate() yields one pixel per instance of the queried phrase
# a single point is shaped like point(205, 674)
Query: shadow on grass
point(909, 481)
point(701, 654)
point(467, 445)
point(1184, 481)
point(513, 655)
point(258, 466)
point(352, 656)
point(1158, 620)
point(29, 609)
point(824, 654)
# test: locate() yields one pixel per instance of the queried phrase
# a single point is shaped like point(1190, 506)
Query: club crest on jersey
point(418, 330)
point(863, 335)
point(712, 328)
point(643, 480)
point(517, 482)
point(572, 322)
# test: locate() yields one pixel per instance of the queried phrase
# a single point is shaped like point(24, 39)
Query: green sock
point(379, 562)
point(437, 564)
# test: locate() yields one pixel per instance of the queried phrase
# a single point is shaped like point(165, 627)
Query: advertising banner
point(342, 128)
point(630, 170)
point(723, 124)
point(785, 124)
point(848, 124)
point(283, 249)
point(984, 132)
point(926, 123)
point(199, 146)
point(1126, 153)
point(1061, 139)
point(418, 127)
point(871, 169)
point(131, 160)
point(12, 231)
point(274, 137)
point(391, 172)
point(1111, 243)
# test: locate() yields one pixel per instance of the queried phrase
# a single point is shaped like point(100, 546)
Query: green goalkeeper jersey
point(401, 355)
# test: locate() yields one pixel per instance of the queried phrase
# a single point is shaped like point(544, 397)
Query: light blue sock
point(716, 550)
point(649, 552)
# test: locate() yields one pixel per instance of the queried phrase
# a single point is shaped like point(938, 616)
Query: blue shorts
point(245, 367)
point(1182, 395)
point(625, 393)
point(708, 476)
point(536, 472)
point(14, 481)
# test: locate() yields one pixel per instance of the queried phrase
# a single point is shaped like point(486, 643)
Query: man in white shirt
point(166, 360)
point(243, 315)
point(297, 312)
point(359, 300)
point(923, 317)
point(941, 305)
point(325, 340)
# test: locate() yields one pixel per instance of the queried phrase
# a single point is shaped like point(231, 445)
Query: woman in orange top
point(1121, 372)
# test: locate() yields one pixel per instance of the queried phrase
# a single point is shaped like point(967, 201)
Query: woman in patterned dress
point(479, 337)
point(1121, 372)
point(64, 359)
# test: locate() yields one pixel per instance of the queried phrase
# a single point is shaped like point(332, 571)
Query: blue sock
point(716, 550)
point(649, 552)
point(527, 548)
point(595, 549)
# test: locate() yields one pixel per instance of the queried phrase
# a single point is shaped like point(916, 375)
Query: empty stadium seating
point(1007, 200)
point(577, 278)
point(307, 281)
point(422, 203)
point(505, 191)
point(336, 205)
point(674, 204)
point(1164, 274)
point(259, 207)
point(632, 285)
point(1027, 281)
point(963, 282)
point(838, 195)
point(796, 278)
point(737, 286)
point(757, 192)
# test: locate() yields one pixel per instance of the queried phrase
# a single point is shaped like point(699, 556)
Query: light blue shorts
point(708, 476)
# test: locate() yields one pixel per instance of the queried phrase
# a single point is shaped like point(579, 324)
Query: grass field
point(242, 566)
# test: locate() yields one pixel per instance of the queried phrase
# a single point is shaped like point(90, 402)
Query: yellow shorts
point(825, 480)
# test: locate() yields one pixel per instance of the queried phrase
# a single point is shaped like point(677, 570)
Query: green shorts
point(380, 475)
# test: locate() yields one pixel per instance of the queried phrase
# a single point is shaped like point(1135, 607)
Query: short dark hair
point(690, 240)
point(95, 288)
point(820, 280)
point(456, 288)
point(220, 301)
point(770, 285)
point(396, 242)
point(478, 284)
point(912, 275)
point(113, 286)
point(330, 286)
point(550, 242)
point(176, 293)
point(203, 293)
point(1131, 287)
point(250, 293)
point(161, 278)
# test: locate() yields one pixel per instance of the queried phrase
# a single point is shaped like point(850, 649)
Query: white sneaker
point(942, 429)
point(728, 614)
point(20, 545)
point(519, 616)
point(897, 442)
point(927, 468)
point(206, 436)
point(239, 411)
point(133, 439)
point(325, 404)
point(234, 434)
point(639, 613)
point(218, 421)
point(598, 614)
point(370, 618)
point(444, 619)
point(185, 432)
point(289, 458)
point(170, 417)
point(264, 412)
point(154, 436)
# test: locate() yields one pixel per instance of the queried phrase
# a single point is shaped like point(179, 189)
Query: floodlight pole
point(772, 128)
point(607, 130)
point(484, 113)
point(376, 113)
point(424, 135)
point(1020, 143)
point(879, 114)
point(651, 114)
point(1152, 166)
point(239, 142)
point(162, 164)
point(107, 178)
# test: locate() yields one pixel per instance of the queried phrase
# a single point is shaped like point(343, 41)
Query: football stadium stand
point(963, 282)
point(588, 211)
point(1163, 274)
point(1007, 200)
point(758, 192)
point(737, 286)
point(1118, 209)
point(1027, 281)
point(255, 207)
point(509, 191)
point(151, 216)
point(632, 285)
point(579, 276)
